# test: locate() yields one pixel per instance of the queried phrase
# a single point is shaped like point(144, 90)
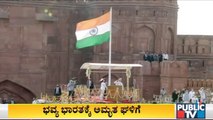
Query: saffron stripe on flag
point(93, 22)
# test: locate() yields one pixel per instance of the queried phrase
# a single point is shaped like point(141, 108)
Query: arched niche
point(144, 39)
point(168, 42)
point(20, 94)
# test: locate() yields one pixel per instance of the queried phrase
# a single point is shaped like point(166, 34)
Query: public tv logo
point(190, 110)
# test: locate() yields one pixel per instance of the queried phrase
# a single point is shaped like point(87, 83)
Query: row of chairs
point(162, 99)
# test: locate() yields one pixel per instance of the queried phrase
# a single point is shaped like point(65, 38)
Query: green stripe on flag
point(93, 40)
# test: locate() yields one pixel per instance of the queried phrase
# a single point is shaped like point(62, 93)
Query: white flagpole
point(110, 48)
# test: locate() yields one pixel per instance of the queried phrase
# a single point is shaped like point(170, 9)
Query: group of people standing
point(186, 96)
point(70, 88)
point(72, 84)
point(149, 56)
point(7, 101)
point(103, 86)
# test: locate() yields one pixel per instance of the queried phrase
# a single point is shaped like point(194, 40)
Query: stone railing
point(198, 83)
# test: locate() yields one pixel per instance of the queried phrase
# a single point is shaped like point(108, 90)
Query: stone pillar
point(174, 75)
point(150, 80)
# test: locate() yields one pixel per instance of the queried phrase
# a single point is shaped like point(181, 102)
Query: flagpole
point(110, 48)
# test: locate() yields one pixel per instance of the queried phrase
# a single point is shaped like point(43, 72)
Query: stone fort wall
point(38, 51)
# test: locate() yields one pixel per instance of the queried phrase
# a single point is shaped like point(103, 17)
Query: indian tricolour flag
point(94, 31)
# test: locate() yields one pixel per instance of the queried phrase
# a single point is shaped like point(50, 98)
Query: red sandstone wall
point(28, 57)
point(174, 75)
point(38, 51)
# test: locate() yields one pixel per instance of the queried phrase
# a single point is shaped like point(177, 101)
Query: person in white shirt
point(165, 56)
point(194, 99)
point(38, 101)
point(186, 97)
point(102, 88)
point(34, 101)
point(118, 82)
point(211, 101)
point(202, 94)
point(162, 92)
point(191, 94)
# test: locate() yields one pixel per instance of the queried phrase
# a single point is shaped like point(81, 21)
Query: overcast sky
point(195, 17)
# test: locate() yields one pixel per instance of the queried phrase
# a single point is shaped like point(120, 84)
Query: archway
point(144, 39)
point(9, 89)
point(169, 42)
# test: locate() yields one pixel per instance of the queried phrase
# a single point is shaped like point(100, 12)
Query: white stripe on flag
point(85, 33)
